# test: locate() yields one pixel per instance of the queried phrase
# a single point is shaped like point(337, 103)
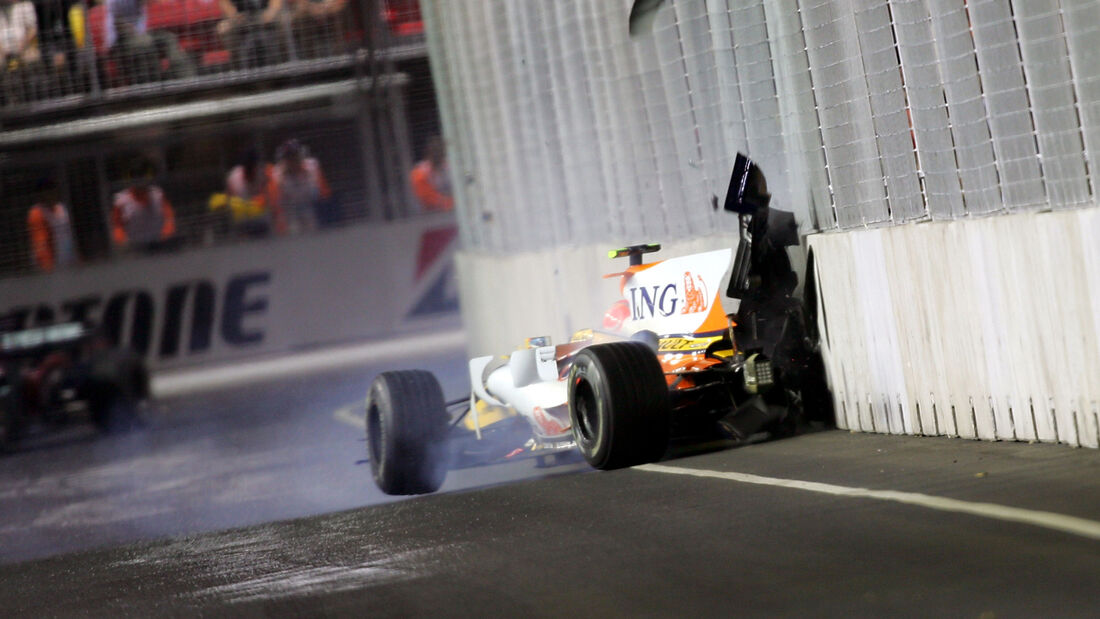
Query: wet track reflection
point(246, 453)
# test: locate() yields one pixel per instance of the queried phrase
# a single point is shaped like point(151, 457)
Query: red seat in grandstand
point(403, 17)
point(193, 21)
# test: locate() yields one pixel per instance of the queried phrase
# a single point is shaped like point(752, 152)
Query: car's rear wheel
point(10, 418)
point(407, 425)
point(618, 404)
point(115, 414)
point(118, 383)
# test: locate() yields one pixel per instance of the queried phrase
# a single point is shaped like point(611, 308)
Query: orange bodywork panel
point(678, 373)
point(680, 357)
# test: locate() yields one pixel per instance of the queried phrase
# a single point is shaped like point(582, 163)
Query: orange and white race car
point(679, 356)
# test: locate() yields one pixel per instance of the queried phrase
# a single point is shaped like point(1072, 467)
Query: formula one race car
point(57, 374)
point(669, 363)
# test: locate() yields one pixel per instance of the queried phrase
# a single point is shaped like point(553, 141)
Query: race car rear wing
point(748, 197)
point(33, 341)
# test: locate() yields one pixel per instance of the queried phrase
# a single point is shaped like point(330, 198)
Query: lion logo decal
point(695, 294)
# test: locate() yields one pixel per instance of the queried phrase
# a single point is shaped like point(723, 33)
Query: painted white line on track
point(353, 414)
point(297, 364)
point(1048, 520)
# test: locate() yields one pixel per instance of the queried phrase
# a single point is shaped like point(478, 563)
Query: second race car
point(54, 375)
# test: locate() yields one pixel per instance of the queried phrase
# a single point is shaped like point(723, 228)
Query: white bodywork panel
point(528, 383)
point(533, 364)
point(477, 368)
point(677, 295)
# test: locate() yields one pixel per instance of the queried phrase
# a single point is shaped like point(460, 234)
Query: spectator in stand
point(298, 186)
point(56, 43)
point(430, 178)
point(142, 218)
point(19, 54)
point(50, 229)
point(138, 50)
point(319, 27)
point(249, 187)
point(250, 31)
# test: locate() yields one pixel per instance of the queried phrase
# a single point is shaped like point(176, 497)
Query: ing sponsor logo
point(665, 300)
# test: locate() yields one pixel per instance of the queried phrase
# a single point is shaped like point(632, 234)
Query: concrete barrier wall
point(546, 292)
point(256, 298)
point(984, 329)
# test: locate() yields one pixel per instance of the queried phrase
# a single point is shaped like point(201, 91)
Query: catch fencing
point(861, 112)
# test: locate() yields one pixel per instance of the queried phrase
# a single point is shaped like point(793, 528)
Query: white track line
point(1048, 520)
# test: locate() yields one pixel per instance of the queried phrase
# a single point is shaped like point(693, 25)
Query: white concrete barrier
point(260, 297)
point(985, 329)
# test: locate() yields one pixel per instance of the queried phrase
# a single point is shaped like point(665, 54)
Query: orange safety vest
point(41, 238)
point(128, 208)
point(425, 190)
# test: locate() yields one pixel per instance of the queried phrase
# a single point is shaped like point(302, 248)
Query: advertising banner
point(260, 297)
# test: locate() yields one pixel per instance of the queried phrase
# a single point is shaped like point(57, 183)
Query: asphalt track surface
point(247, 501)
point(224, 447)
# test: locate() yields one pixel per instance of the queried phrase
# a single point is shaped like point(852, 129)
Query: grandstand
point(196, 88)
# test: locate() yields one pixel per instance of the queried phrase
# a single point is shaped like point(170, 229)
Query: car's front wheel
point(618, 404)
point(407, 426)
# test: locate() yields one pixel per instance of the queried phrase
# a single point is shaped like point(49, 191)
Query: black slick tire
point(119, 382)
point(115, 414)
point(407, 425)
point(10, 418)
point(619, 405)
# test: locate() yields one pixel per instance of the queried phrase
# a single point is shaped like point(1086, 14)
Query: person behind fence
point(19, 52)
point(430, 178)
point(57, 43)
point(253, 210)
point(298, 186)
point(138, 50)
point(319, 27)
point(142, 218)
point(251, 31)
point(50, 229)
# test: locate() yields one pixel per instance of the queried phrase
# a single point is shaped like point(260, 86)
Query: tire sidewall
point(629, 396)
point(406, 430)
point(9, 422)
point(380, 439)
point(586, 369)
point(117, 383)
point(114, 411)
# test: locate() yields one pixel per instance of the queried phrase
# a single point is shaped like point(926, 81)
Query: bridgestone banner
point(261, 297)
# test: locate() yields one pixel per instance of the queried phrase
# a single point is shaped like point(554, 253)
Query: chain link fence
point(209, 102)
point(59, 53)
point(863, 113)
